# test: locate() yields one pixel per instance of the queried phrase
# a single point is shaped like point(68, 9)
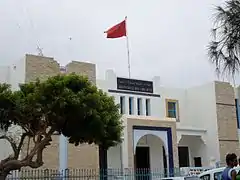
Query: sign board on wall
point(134, 85)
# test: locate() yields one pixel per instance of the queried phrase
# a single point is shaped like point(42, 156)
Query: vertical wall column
point(124, 145)
point(63, 154)
point(127, 104)
point(135, 106)
point(63, 146)
point(144, 106)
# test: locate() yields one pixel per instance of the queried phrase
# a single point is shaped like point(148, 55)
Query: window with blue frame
point(237, 112)
point(171, 107)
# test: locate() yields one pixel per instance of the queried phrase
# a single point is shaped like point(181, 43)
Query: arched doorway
point(150, 157)
point(164, 134)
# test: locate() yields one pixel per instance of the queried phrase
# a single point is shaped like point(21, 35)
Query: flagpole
point(128, 54)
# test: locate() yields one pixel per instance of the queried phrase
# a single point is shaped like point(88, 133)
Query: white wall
point(13, 74)
point(114, 157)
point(202, 113)
point(172, 93)
point(5, 147)
point(17, 73)
point(13, 132)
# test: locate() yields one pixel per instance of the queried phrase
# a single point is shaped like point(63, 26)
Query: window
point(172, 108)
point(122, 104)
point(191, 178)
point(205, 177)
point(217, 175)
point(139, 106)
point(131, 106)
point(148, 113)
point(197, 161)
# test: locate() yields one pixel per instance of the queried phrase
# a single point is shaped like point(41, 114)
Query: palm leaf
point(224, 48)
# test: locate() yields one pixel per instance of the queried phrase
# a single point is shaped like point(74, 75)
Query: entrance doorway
point(142, 159)
point(183, 155)
point(197, 161)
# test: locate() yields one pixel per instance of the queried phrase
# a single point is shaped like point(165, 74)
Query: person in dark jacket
point(229, 173)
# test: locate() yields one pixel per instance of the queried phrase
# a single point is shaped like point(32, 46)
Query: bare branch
point(10, 157)
point(20, 145)
point(39, 160)
point(28, 144)
point(34, 139)
point(40, 145)
point(10, 164)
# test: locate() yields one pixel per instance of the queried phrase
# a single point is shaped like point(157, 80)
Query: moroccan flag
point(117, 31)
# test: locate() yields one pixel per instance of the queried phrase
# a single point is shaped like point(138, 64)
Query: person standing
point(229, 173)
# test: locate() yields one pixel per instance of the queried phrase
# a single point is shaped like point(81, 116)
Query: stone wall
point(82, 68)
point(87, 155)
point(83, 156)
point(226, 119)
point(40, 67)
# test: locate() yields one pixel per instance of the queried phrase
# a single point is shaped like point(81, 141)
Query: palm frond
point(224, 48)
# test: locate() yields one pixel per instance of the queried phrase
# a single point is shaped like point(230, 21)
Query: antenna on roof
point(40, 51)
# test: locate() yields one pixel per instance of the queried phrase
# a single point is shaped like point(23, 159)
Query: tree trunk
point(3, 176)
point(103, 163)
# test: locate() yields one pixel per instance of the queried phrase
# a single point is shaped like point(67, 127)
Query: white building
point(167, 127)
point(164, 127)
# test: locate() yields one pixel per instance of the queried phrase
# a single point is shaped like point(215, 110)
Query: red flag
point(117, 31)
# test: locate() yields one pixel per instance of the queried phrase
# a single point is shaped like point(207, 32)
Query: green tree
point(224, 49)
point(68, 104)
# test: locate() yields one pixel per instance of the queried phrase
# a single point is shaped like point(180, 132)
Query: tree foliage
point(224, 48)
point(68, 104)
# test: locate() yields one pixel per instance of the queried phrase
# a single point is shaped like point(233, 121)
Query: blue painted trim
point(238, 112)
point(170, 144)
point(170, 152)
point(153, 128)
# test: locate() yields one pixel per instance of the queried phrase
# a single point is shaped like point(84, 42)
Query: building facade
point(163, 127)
point(173, 127)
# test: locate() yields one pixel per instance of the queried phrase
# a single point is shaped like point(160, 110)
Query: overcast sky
point(167, 38)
